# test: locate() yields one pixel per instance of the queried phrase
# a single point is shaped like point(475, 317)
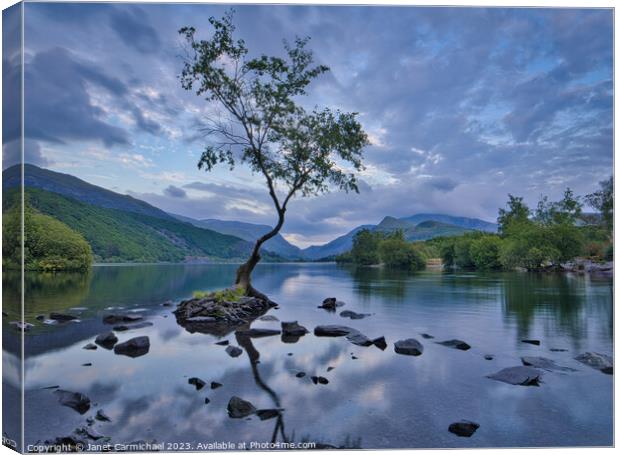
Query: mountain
point(337, 246)
point(416, 227)
point(468, 223)
point(250, 232)
point(123, 236)
point(73, 187)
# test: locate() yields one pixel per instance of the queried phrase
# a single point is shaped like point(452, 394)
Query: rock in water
point(22, 326)
point(456, 344)
point(223, 343)
point(134, 347)
point(544, 364)
point(353, 315)
point(426, 336)
point(410, 346)
point(601, 362)
point(196, 382)
point(138, 325)
point(90, 347)
point(534, 342)
point(234, 351)
point(380, 343)
point(464, 428)
point(331, 303)
point(488, 357)
point(239, 408)
point(266, 414)
point(359, 338)
point(258, 333)
point(269, 317)
point(117, 318)
point(332, 330)
point(101, 416)
point(106, 340)
point(62, 317)
point(301, 374)
point(215, 385)
point(73, 400)
point(293, 329)
point(320, 380)
point(521, 375)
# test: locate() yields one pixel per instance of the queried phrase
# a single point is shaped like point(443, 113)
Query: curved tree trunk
point(244, 272)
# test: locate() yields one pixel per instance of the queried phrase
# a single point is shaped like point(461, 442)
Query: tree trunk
point(244, 272)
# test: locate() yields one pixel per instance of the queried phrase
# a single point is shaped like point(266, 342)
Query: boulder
point(353, 315)
point(331, 303)
point(200, 320)
point(258, 333)
point(332, 330)
point(215, 385)
point(90, 347)
point(239, 408)
point(62, 317)
point(359, 338)
point(234, 351)
point(134, 347)
point(106, 340)
point(73, 400)
point(456, 344)
point(601, 362)
point(426, 336)
point(544, 364)
point(464, 428)
point(196, 382)
point(520, 375)
point(293, 329)
point(222, 343)
point(410, 346)
point(319, 380)
point(301, 374)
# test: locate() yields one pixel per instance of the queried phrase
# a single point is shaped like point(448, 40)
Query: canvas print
point(266, 227)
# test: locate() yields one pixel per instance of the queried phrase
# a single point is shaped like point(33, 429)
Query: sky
point(462, 106)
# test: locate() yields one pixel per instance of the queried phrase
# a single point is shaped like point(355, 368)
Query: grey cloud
point(130, 25)
point(175, 192)
point(11, 154)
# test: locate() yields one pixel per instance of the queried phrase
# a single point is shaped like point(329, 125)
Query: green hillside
point(422, 231)
point(120, 236)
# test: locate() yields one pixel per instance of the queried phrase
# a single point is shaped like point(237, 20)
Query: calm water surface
point(380, 400)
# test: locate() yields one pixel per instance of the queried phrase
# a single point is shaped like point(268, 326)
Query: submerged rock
point(101, 416)
point(238, 408)
point(456, 344)
point(215, 316)
point(601, 362)
point(544, 364)
point(215, 385)
point(353, 315)
point(269, 317)
point(558, 350)
point(258, 333)
point(234, 351)
point(464, 428)
point(196, 382)
point(139, 325)
point(301, 374)
point(534, 342)
point(266, 414)
point(319, 380)
point(520, 375)
point(222, 343)
point(410, 346)
point(488, 357)
point(62, 317)
point(117, 318)
point(90, 347)
point(73, 400)
point(106, 340)
point(426, 336)
point(332, 330)
point(134, 347)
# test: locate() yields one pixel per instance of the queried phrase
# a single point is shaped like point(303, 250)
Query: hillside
point(75, 188)
point(337, 246)
point(120, 236)
point(250, 232)
point(461, 221)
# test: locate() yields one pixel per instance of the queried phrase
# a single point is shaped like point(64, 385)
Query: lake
point(374, 399)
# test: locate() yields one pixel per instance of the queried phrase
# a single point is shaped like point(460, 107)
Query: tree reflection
point(246, 343)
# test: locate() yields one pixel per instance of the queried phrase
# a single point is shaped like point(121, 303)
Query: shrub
point(485, 252)
point(396, 253)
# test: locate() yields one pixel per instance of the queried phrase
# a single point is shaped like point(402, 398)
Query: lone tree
point(260, 123)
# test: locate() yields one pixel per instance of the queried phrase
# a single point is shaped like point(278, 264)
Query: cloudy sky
point(463, 106)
